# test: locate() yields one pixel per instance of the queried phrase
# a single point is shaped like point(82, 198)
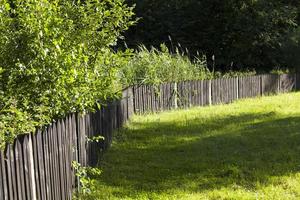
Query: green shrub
point(230, 74)
point(280, 71)
point(55, 58)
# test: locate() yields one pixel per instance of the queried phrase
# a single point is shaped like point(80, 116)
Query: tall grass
point(155, 66)
point(158, 65)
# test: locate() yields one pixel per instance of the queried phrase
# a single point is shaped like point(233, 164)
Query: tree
point(55, 59)
point(245, 33)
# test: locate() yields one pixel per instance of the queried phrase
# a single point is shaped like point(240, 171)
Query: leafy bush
point(55, 58)
point(87, 183)
point(280, 71)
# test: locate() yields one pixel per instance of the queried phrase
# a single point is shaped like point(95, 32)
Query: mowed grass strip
point(246, 150)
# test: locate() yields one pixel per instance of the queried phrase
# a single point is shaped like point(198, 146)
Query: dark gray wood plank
point(45, 148)
point(22, 176)
point(36, 166)
point(60, 159)
point(8, 172)
point(63, 159)
point(76, 147)
point(52, 163)
point(18, 163)
point(4, 176)
point(56, 162)
point(26, 168)
point(72, 149)
point(41, 161)
point(31, 167)
point(13, 171)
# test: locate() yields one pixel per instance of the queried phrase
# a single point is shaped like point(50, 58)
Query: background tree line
point(259, 34)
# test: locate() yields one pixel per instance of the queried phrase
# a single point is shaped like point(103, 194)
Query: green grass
point(246, 150)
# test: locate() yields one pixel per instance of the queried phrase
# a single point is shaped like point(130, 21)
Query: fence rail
point(38, 166)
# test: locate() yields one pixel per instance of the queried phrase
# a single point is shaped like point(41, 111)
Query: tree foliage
point(240, 33)
point(55, 58)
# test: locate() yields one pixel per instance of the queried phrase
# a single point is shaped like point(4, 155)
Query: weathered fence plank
point(270, 84)
point(18, 170)
point(26, 168)
point(55, 163)
point(1, 180)
point(297, 81)
point(41, 164)
point(47, 176)
point(9, 173)
point(287, 82)
point(51, 163)
point(36, 167)
point(4, 176)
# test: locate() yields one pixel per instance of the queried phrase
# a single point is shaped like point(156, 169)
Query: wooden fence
point(210, 92)
point(38, 166)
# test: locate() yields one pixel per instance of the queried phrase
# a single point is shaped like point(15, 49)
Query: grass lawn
point(246, 150)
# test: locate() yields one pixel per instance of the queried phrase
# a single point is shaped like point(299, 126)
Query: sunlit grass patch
point(246, 150)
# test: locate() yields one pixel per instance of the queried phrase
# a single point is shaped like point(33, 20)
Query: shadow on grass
point(199, 155)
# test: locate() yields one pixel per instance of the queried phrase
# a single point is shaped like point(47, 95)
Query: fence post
point(131, 102)
point(279, 83)
point(261, 85)
point(237, 88)
point(32, 170)
point(209, 93)
point(175, 95)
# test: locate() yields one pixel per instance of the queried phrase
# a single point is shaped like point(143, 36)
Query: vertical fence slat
point(68, 155)
point(26, 168)
point(48, 177)
point(4, 176)
point(63, 159)
point(52, 163)
point(31, 167)
point(56, 162)
point(36, 166)
point(19, 179)
point(1, 177)
point(13, 171)
point(75, 148)
point(41, 161)
point(297, 81)
point(8, 172)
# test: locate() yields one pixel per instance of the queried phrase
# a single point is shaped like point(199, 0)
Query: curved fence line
point(38, 166)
